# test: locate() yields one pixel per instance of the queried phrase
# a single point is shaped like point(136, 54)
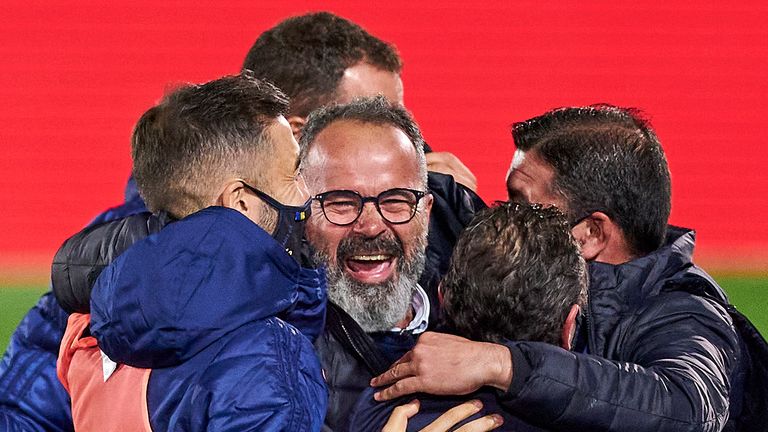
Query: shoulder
point(676, 301)
point(261, 377)
point(682, 324)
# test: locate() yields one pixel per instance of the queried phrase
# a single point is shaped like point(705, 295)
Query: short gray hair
point(375, 110)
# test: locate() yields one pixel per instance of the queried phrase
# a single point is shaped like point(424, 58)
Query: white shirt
point(420, 304)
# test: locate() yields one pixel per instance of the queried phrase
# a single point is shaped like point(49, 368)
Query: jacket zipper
point(349, 339)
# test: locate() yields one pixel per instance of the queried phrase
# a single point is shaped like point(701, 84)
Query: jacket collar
point(615, 290)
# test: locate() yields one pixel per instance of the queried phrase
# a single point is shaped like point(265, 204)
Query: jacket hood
point(174, 293)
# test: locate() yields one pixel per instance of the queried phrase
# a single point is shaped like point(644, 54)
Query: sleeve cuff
point(521, 370)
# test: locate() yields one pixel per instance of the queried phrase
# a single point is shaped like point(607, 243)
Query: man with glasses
point(364, 165)
point(355, 63)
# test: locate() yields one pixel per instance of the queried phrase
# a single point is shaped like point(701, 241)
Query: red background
point(75, 76)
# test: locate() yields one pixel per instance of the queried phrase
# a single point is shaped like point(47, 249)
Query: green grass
point(15, 301)
point(749, 294)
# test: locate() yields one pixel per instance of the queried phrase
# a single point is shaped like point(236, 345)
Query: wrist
point(501, 367)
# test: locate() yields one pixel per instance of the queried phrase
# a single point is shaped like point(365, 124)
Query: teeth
point(370, 257)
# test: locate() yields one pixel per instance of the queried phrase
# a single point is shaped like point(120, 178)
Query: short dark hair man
point(190, 313)
point(320, 58)
point(656, 356)
point(515, 274)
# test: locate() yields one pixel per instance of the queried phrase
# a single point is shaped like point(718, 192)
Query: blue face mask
point(291, 221)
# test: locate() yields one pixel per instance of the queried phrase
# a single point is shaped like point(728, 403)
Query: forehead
point(285, 149)
point(366, 80)
point(364, 157)
point(531, 178)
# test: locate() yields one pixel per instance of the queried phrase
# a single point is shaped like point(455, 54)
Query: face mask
point(291, 220)
point(289, 232)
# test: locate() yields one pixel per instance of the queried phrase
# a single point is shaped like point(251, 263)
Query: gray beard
point(375, 307)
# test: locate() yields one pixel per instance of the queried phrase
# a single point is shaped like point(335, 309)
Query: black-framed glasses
point(396, 206)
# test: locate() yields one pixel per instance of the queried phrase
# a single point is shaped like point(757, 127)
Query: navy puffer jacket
point(198, 303)
point(660, 358)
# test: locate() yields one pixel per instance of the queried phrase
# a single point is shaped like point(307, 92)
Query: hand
point(398, 421)
point(444, 364)
point(448, 163)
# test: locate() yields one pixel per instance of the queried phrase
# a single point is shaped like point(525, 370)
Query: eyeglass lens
point(394, 205)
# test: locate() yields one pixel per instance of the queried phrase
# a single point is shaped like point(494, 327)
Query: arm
point(449, 164)
point(262, 380)
point(31, 396)
point(672, 375)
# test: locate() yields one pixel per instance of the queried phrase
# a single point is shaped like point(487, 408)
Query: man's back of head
point(307, 57)
point(603, 159)
point(197, 137)
point(515, 274)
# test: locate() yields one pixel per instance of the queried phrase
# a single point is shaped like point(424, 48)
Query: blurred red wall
point(75, 76)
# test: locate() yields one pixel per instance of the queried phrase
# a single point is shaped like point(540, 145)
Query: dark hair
point(608, 159)
point(514, 274)
point(305, 56)
point(375, 110)
point(184, 147)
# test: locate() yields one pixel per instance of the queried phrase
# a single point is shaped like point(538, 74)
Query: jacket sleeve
point(31, 396)
point(276, 386)
point(671, 373)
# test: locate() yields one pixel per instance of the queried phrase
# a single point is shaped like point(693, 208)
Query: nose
point(370, 223)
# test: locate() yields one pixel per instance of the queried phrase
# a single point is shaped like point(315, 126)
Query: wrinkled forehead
point(359, 156)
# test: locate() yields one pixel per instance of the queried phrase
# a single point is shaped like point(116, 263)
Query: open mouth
point(370, 268)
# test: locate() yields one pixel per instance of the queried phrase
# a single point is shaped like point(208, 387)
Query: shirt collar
point(420, 305)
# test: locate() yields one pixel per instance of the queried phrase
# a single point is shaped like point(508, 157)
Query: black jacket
point(346, 373)
point(660, 358)
point(453, 208)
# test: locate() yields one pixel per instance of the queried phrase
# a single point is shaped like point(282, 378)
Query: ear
point(602, 240)
point(569, 327)
point(592, 234)
point(297, 124)
point(235, 196)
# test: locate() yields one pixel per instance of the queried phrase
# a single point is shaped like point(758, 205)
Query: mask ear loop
point(300, 213)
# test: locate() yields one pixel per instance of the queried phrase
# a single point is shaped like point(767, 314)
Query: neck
point(615, 253)
point(407, 319)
